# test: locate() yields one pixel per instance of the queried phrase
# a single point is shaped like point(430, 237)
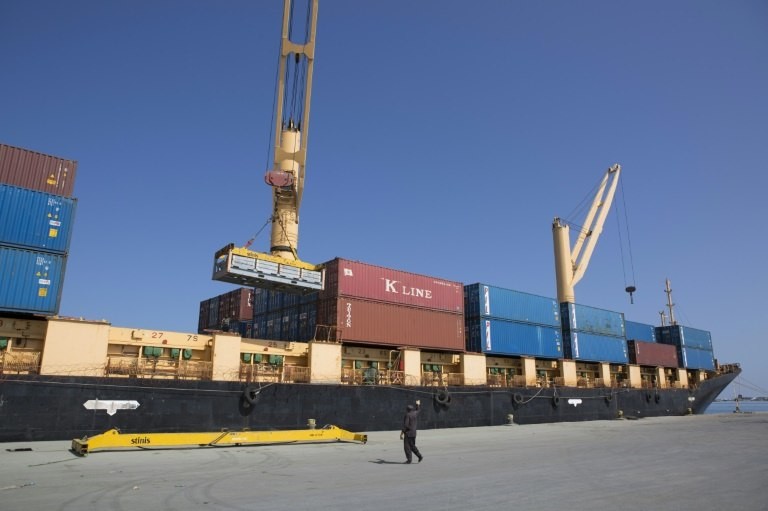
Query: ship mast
point(670, 305)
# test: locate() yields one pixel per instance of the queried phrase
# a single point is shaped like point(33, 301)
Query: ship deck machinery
point(282, 269)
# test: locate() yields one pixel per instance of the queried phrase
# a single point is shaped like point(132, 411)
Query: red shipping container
point(36, 171)
point(367, 322)
point(360, 280)
point(652, 354)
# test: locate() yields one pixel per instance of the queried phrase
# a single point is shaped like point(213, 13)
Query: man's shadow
point(385, 462)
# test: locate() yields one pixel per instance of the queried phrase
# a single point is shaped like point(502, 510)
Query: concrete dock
point(706, 462)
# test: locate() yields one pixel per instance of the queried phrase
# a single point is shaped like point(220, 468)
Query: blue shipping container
point(583, 318)
point(594, 347)
point(684, 336)
point(639, 331)
point(500, 337)
point(495, 302)
point(30, 281)
point(36, 220)
point(693, 358)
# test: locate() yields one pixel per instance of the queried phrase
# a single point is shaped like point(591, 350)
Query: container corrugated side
point(37, 171)
point(640, 331)
point(652, 354)
point(694, 358)
point(684, 336)
point(594, 347)
point(583, 318)
point(501, 337)
point(495, 302)
point(31, 281)
point(369, 282)
point(378, 323)
point(35, 220)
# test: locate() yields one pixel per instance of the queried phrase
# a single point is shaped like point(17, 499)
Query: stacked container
point(231, 311)
point(505, 322)
point(694, 346)
point(639, 331)
point(592, 334)
point(37, 213)
point(652, 354)
point(282, 316)
point(368, 304)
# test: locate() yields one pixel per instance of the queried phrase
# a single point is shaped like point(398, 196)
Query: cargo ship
point(343, 342)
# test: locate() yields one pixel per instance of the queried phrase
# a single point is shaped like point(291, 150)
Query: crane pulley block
point(255, 269)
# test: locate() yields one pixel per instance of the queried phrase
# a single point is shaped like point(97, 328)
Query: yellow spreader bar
point(113, 439)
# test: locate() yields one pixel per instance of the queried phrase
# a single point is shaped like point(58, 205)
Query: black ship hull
point(42, 408)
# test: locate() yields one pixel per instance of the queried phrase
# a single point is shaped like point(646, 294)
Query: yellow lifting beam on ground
point(113, 439)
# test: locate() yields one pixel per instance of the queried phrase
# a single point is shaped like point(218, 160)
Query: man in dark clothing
point(408, 433)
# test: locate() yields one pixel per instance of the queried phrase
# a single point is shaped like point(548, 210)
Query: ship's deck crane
point(570, 264)
point(282, 269)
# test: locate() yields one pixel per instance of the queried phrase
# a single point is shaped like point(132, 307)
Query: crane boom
point(570, 264)
point(281, 268)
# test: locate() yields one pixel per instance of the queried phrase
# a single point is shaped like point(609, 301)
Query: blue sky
point(444, 138)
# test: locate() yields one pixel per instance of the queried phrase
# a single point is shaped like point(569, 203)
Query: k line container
point(494, 302)
point(684, 336)
point(693, 358)
point(501, 337)
point(37, 171)
point(379, 323)
point(652, 354)
point(595, 348)
point(583, 318)
point(36, 220)
point(368, 282)
point(30, 281)
point(640, 331)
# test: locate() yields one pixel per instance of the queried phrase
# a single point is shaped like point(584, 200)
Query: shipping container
point(360, 280)
point(583, 318)
point(35, 220)
point(684, 336)
point(31, 281)
point(594, 347)
point(378, 323)
point(652, 354)
point(694, 358)
point(494, 302)
point(639, 331)
point(501, 337)
point(37, 171)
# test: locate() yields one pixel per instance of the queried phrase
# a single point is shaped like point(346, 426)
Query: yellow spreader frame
point(114, 440)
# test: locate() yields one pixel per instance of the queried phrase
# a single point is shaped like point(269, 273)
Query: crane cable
point(630, 288)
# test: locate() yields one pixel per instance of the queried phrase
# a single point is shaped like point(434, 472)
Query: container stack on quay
point(37, 213)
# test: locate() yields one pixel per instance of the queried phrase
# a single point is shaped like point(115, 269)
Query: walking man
point(408, 433)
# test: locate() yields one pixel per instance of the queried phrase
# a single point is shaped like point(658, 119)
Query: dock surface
point(706, 462)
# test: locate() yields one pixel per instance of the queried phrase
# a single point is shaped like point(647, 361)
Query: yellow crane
point(281, 268)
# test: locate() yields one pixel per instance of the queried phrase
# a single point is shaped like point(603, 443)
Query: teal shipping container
point(31, 281)
point(482, 300)
point(595, 348)
point(35, 220)
point(501, 337)
point(582, 318)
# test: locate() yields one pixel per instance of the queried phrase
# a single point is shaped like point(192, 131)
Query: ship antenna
point(670, 305)
point(663, 318)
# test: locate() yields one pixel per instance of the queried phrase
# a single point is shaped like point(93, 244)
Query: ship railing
point(159, 368)
point(557, 381)
point(455, 378)
point(261, 373)
point(519, 380)
point(295, 374)
point(497, 380)
point(434, 379)
point(20, 362)
point(372, 376)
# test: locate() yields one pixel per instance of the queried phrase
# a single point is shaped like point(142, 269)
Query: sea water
point(744, 406)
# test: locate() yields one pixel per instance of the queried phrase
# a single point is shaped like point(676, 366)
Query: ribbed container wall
point(35, 220)
point(693, 358)
point(37, 171)
point(369, 282)
point(31, 281)
point(652, 354)
point(482, 300)
point(594, 347)
point(221, 311)
point(377, 323)
point(502, 337)
point(583, 318)
point(684, 336)
point(640, 331)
